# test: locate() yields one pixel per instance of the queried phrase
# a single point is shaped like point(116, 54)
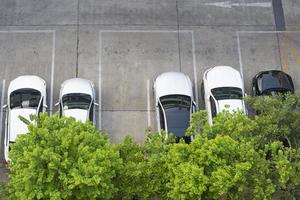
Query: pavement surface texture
point(122, 46)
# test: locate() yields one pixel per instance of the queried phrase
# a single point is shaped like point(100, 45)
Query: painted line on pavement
point(52, 71)
point(195, 71)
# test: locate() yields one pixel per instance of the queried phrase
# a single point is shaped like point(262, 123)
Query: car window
point(91, 114)
point(161, 118)
point(276, 80)
point(222, 93)
point(213, 107)
point(171, 101)
point(76, 101)
point(177, 109)
point(41, 106)
point(25, 98)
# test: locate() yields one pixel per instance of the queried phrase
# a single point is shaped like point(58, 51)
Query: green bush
point(62, 159)
point(235, 158)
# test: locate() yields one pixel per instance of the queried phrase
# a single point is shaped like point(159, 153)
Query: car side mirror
point(96, 104)
point(246, 94)
point(56, 104)
point(45, 106)
point(4, 106)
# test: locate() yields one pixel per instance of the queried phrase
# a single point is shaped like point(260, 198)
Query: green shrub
point(62, 159)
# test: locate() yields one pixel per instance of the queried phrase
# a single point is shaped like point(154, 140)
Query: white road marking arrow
point(229, 4)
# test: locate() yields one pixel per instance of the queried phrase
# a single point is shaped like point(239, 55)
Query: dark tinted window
point(213, 107)
point(222, 93)
point(41, 107)
point(161, 118)
point(76, 101)
point(25, 98)
point(177, 109)
point(276, 81)
point(91, 114)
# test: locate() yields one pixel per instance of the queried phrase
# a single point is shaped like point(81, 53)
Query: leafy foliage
point(62, 159)
point(144, 167)
point(237, 157)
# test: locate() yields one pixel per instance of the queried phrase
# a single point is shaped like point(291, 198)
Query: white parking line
point(100, 83)
point(293, 31)
point(238, 34)
point(26, 31)
point(240, 55)
point(195, 72)
point(52, 72)
point(1, 110)
point(145, 31)
point(148, 103)
point(148, 81)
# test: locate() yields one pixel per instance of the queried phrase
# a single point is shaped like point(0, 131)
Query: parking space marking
point(145, 31)
point(27, 31)
point(195, 71)
point(285, 62)
point(52, 57)
point(240, 55)
point(148, 31)
point(148, 103)
point(52, 72)
point(148, 81)
point(1, 110)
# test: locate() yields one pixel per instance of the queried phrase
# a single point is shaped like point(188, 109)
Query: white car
point(174, 102)
point(26, 96)
point(77, 99)
point(222, 89)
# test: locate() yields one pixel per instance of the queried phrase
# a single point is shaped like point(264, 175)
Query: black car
point(271, 83)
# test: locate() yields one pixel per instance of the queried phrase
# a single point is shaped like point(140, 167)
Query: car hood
point(77, 85)
point(78, 114)
point(234, 105)
point(16, 126)
point(223, 76)
point(27, 81)
point(173, 83)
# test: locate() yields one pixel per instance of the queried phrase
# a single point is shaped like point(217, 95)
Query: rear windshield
point(76, 101)
point(276, 81)
point(177, 109)
point(25, 98)
point(223, 93)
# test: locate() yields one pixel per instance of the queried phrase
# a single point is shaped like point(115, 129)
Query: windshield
point(223, 93)
point(177, 110)
point(275, 81)
point(76, 101)
point(25, 98)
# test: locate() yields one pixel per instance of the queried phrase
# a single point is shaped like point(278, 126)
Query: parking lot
point(122, 46)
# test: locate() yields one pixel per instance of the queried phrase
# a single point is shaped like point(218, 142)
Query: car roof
point(223, 76)
point(77, 85)
point(27, 81)
point(170, 83)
